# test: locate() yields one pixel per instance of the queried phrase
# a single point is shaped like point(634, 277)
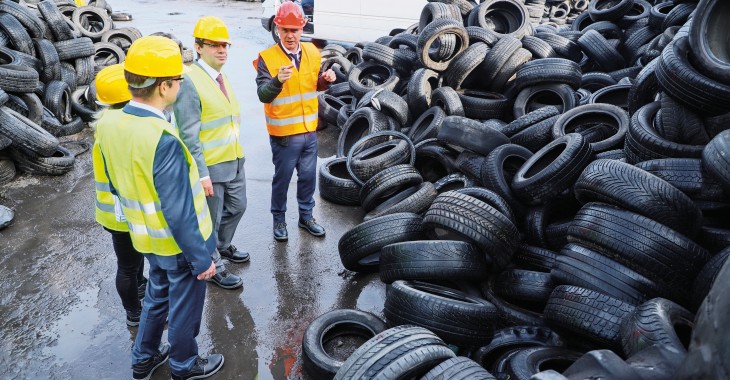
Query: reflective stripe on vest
point(220, 118)
point(295, 109)
point(128, 144)
point(104, 210)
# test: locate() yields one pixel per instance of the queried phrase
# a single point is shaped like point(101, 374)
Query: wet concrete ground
point(60, 313)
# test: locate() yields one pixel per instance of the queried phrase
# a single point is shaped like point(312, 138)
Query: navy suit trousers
point(297, 152)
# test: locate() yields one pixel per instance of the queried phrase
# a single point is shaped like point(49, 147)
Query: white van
point(350, 20)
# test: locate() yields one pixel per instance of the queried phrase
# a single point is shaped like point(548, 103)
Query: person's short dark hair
point(146, 92)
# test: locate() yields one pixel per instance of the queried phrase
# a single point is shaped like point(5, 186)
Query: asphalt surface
point(60, 313)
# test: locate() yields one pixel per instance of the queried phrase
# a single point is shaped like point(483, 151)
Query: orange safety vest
point(294, 111)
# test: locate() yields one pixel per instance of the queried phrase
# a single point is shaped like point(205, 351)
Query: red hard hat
point(290, 15)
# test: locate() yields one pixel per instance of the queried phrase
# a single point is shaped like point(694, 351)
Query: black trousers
point(130, 269)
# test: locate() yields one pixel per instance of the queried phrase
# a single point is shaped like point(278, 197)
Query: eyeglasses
point(180, 79)
point(221, 45)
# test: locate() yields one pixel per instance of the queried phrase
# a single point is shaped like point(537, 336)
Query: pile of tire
point(516, 176)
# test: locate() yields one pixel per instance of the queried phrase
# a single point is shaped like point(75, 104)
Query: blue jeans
point(171, 287)
point(299, 153)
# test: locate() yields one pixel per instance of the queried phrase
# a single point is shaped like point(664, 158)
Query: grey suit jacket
point(187, 113)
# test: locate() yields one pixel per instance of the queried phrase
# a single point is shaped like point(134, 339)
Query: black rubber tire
point(678, 15)
point(544, 95)
point(364, 164)
point(57, 99)
point(454, 316)
point(497, 58)
point(28, 105)
point(27, 134)
point(706, 278)
point(609, 10)
point(491, 198)
point(446, 98)
point(687, 175)
point(638, 191)
point(430, 260)
point(587, 315)
point(459, 368)
point(389, 103)
point(600, 51)
point(594, 81)
point(510, 314)
point(433, 32)
point(470, 134)
point(499, 169)
point(336, 185)
point(93, 22)
point(710, 56)
point(329, 107)
point(427, 125)
point(529, 361)
point(437, 10)
point(504, 17)
point(7, 168)
point(386, 183)
point(531, 118)
point(683, 83)
point(563, 46)
point(55, 20)
point(463, 217)
point(74, 48)
point(386, 76)
point(416, 199)
point(538, 48)
point(508, 70)
point(552, 169)
point(384, 55)
point(657, 322)
point(604, 116)
point(362, 122)
point(454, 181)
point(534, 258)
point(581, 266)
point(715, 160)
point(434, 162)
point(59, 163)
point(360, 247)
point(483, 105)
point(479, 34)
point(524, 287)
point(470, 164)
point(399, 351)
point(420, 86)
point(398, 41)
point(15, 32)
point(30, 21)
point(107, 54)
point(681, 124)
point(50, 62)
point(554, 70)
point(513, 338)
point(648, 247)
point(16, 78)
point(325, 330)
point(463, 65)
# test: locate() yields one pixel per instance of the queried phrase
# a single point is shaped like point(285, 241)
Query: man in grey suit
point(208, 117)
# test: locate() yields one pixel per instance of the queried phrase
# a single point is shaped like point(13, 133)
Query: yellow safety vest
point(294, 111)
point(220, 118)
point(104, 209)
point(128, 144)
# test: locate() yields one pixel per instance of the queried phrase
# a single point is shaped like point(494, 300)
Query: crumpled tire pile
point(50, 52)
point(537, 197)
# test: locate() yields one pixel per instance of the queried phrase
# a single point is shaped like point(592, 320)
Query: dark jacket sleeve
point(268, 88)
point(322, 84)
point(170, 174)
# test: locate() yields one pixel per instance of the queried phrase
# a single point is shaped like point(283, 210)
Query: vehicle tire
point(75, 48)
point(386, 183)
point(587, 315)
point(446, 98)
point(483, 105)
point(491, 198)
point(498, 57)
point(30, 21)
point(687, 175)
point(454, 316)
point(420, 86)
point(563, 46)
point(524, 287)
point(107, 54)
point(535, 136)
point(427, 125)
point(529, 361)
point(638, 191)
point(609, 118)
point(458, 368)
point(7, 167)
point(388, 102)
point(715, 160)
point(381, 76)
point(555, 70)
point(371, 161)
point(606, 10)
point(534, 258)
point(396, 353)
point(499, 169)
point(538, 48)
point(434, 31)
point(93, 22)
point(657, 321)
point(455, 181)
point(509, 314)
point(463, 65)
point(463, 217)
point(706, 278)
point(470, 134)
point(531, 98)
point(479, 34)
point(15, 78)
point(552, 169)
point(55, 20)
point(58, 100)
point(322, 333)
point(430, 260)
point(579, 266)
point(361, 246)
point(16, 34)
point(27, 134)
point(710, 57)
point(362, 122)
point(661, 254)
point(415, 199)
point(685, 126)
point(600, 51)
point(336, 185)
point(504, 17)
point(386, 56)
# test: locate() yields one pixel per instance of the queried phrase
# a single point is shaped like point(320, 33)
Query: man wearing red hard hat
point(288, 78)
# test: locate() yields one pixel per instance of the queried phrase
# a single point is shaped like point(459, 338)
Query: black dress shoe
point(204, 367)
point(227, 280)
point(234, 255)
point(280, 233)
point(312, 227)
point(144, 369)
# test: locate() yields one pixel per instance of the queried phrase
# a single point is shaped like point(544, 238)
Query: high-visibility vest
point(294, 110)
point(104, 209)
point(220, 118)
point(128, 144)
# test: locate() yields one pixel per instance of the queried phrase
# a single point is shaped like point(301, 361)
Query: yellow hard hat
point(111, 87)
point(211, 28)
point(80, 3)
point(155, 57)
